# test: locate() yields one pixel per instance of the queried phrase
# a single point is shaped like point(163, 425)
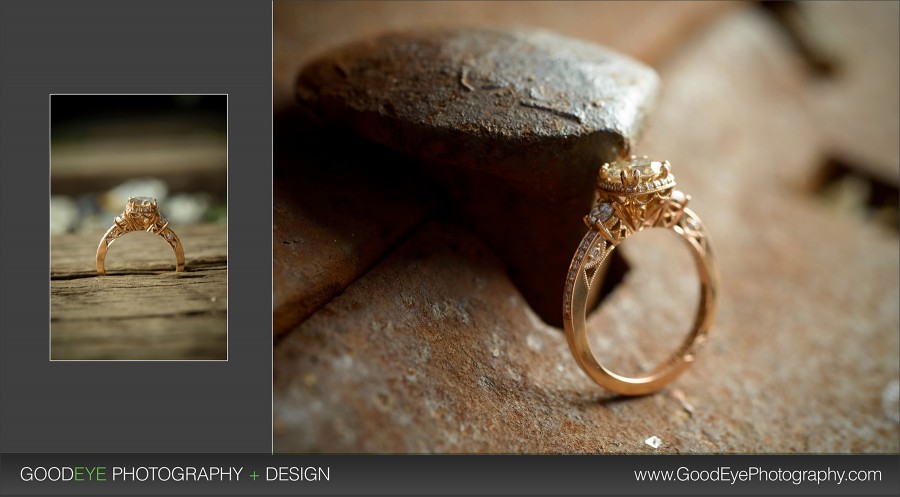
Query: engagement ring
point(141, 214)
point(633, 195)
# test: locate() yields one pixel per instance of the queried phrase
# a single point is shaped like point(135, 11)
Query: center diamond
point(142, 201)
point(640, 175)
point(142, 204)
point(650, 170)
point(142, 207)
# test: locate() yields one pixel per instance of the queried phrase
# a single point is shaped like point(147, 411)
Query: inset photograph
point(138, 227)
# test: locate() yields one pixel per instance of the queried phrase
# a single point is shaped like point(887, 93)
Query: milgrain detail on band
point(693, 230)
point(594, 259)
point(634, 195)
point(574, 269)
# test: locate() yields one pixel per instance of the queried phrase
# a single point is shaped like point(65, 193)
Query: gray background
point(356, 474)
point(127, 47)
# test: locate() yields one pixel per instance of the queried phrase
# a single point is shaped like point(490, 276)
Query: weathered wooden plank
point(74, 255)
point(142, 309)
point(144, 338)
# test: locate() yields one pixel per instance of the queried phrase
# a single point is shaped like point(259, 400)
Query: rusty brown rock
point(333, 218)
point(435, 351)
point(538, 110)
point(647, 32)
point(863, 39)
point(432, 350)
point(514, 123)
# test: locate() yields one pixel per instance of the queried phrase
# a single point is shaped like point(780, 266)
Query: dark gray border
point(457, 475)
point(131, 47)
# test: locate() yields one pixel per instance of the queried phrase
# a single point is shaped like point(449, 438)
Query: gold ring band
point(633, 195)
point(141, 214)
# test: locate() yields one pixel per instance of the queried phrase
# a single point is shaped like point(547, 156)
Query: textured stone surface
point(334, 217)
point(538, 110)
point(433, 350)
point(809, 293)
point(863, 39)
point(513, 123)
point(304, 30)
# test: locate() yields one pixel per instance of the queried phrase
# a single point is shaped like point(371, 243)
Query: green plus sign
point(254, 475)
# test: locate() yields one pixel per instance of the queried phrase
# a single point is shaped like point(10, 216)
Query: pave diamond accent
point(600, 213)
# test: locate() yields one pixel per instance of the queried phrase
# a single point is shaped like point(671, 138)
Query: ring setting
point(141, 214)
point(632, 195)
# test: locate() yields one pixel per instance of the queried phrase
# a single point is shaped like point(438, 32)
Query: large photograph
point(586, 227)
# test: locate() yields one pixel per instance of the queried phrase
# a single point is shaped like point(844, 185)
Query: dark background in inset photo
point(105, 149)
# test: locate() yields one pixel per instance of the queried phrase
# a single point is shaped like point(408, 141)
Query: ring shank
point(692, 231)
point(166, 234)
